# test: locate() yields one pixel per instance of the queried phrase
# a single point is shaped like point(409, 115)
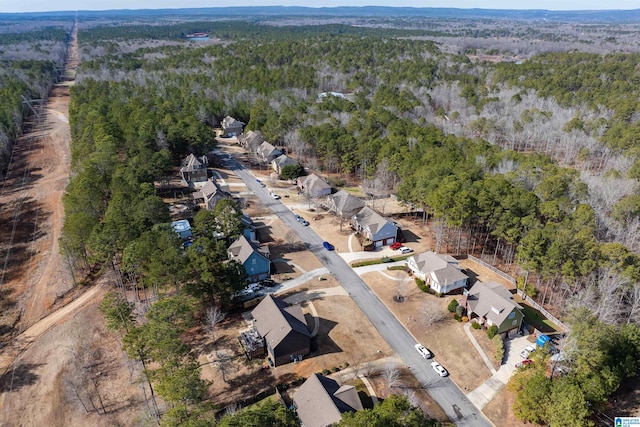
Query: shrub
point(335, 369)
point(452, 306)
point(458, 318)
point(492, 331)
point(422, 285)
point(385, 259)
point(325, 372)
point(460, 310)
point(497, 340)
point(476, 325)
point(531, 291)
point(465, 319)
point(346, 364)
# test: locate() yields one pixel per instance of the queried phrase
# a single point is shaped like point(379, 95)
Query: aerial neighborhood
point(292, 305)
point(312, 217)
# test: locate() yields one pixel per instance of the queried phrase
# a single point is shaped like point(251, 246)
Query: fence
point(520, 292)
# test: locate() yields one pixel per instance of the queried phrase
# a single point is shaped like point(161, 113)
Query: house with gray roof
point(281, 161)
point(251, 140)
point(194, 169)
point(492, 304)
point(268, 152)
point(313, 186)
point(231, 126)
point(440, 272)
point(254, 259)
point(283, 328)
point(374, 227)
point(344, 204)
point(211, 194)
point(321, 401)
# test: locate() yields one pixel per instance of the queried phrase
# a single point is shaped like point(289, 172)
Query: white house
point(440, 272)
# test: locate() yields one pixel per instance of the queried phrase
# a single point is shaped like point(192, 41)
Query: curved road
point(444, 391)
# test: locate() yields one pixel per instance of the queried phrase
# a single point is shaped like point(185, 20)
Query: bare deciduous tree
point(391, 374)
point(432, 313)
point(214, 316)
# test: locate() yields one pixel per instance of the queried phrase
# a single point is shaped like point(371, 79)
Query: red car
point(525, 362)
point(395, 246)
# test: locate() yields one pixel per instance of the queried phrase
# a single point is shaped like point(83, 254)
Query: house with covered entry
point(251, 140)
point(267, 152)
point(194, 169)
point(344, 204)
point(313, 186)
point(492, 304)
point(254, 259)
point(320, 401)
point(210, 194)
point(281, 161)
point(440, 272)
point(232, 127)
point(283, 328)
point(374, 227)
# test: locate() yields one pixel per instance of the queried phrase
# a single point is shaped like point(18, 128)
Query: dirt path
point(33, 276)
point(20, 343)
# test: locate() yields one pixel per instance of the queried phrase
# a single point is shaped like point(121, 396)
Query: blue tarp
point(542, 340)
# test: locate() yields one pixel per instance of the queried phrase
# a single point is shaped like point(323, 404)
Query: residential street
point(443, 390)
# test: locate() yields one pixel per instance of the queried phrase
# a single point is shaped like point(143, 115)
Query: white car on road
point(439, 369)
point(423, 351)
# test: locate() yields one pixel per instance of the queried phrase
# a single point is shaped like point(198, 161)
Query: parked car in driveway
point(439, 369)
point(328, 246)
point(395, 246)
point(423, 351)
point(525, 362)
point(527, 351)
point(275, 196)
point(405, 250)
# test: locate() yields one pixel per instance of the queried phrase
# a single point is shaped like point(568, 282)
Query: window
point(515, 322)
point(512, 315)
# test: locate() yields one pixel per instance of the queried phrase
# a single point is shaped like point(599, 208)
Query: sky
point(42, 6)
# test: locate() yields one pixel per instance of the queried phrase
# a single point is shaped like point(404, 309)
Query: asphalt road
point(444, 391)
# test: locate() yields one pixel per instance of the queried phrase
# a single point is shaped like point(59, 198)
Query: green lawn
point(536, 319)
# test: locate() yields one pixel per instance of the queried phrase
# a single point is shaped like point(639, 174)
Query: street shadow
point(409, 236)
point(473, 277)
point(281, 266)
point(263, 232)
point(322, 343)
point(22, 375)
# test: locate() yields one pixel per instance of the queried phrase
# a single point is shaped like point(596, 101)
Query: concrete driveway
point(486, 391)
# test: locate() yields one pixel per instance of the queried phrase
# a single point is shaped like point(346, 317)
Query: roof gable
point(374, 222)
point(275, 319)
point(241, 250)
point(346, 203)
point(321, 401)
point(491, 300)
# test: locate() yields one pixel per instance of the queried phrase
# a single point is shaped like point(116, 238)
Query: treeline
point(571, 388)
point(31, 79)
point(594, 81)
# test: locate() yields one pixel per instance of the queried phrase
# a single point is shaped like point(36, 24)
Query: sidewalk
point(486, 391)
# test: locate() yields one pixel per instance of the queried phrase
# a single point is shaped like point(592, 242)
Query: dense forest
point(532, 163)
